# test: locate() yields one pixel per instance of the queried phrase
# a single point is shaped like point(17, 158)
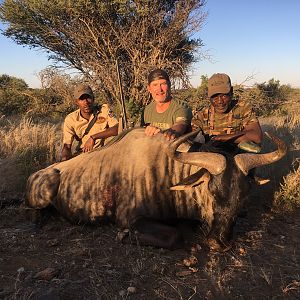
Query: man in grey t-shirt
point(164, 114)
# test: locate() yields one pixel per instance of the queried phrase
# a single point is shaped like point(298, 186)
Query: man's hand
point(170, 134)
point(222, 137)
point(66, 152)
point(88, 146)
point(152, 130)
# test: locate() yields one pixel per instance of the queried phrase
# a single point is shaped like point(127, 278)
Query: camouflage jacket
point(212, 123)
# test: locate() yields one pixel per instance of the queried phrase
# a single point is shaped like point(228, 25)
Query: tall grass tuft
point(288, 197)
point(28, 146)
point(285, 179)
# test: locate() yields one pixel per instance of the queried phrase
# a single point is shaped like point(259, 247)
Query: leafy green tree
point(196, 97)
point(272, 89)
point(90, 35)
point(13, 96)
point(201, 92)
point(11, 82)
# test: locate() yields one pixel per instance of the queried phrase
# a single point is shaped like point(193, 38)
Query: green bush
point(13, 102)
point(273, 96)
point(13, 96)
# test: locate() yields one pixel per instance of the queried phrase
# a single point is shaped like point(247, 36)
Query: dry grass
point(25, 147)
point(282, 173)
point(21, 136)
point(288, 197)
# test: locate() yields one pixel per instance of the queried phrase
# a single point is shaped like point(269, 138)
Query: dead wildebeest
point(139, 182)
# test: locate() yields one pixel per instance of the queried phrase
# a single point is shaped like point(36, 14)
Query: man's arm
point(68, 137)
point(170, 134)
point(251, 133)
point(111, 131)
point(66, 152)
point(183, 117)
point(175, 131)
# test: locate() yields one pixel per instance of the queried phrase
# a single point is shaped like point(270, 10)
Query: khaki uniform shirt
point(75, 125)
point(212, 123)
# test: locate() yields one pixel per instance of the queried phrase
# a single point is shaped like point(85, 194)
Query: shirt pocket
point(237, 122)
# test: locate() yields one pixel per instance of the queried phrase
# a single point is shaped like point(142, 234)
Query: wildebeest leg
point(40, 217)
point(153, 233)
point(220, 233)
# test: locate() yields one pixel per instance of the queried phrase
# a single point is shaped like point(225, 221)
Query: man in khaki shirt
point(90, 127)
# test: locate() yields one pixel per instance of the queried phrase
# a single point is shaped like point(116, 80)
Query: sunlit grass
point(25, 136)
point(288, 197)
point(26, 147)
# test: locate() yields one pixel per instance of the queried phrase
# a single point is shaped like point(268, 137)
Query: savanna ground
point(63, 261)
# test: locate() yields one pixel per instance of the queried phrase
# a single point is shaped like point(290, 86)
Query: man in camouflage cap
point(228, 120)
point(89, 125)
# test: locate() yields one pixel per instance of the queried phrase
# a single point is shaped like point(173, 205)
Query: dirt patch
point(12, 181)
point(64, 261)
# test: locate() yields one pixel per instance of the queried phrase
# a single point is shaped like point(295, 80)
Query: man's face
point(85, 103)
point(221, 102)
point(159, 90)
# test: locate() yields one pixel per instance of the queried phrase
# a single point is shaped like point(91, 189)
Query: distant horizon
point(256, 38)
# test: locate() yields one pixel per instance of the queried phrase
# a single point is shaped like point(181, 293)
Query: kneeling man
point(89, 125)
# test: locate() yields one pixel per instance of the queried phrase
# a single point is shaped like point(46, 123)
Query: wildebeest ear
point(191, 181)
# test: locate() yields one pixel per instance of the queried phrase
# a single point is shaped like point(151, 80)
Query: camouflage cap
point(83, 89)
point(219, 83)
point(158, 74)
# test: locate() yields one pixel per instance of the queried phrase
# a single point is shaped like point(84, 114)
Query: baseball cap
point(83, 89)
point(158, 74)
point(219, 83)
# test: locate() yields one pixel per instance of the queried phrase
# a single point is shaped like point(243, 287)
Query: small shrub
point(134, 111)
point(273, 95)
point(288, 197)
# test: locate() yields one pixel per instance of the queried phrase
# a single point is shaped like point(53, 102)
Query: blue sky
point(259, 38)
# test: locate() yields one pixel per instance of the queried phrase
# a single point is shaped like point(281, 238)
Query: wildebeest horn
point(214, 163)
point(248, 161)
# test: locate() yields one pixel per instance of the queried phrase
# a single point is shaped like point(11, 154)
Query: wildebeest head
point(226, 179)
point(215, 163)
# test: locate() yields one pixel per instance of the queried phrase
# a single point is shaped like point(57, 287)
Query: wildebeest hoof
point(190, 262)
point(217, 246)
point(121, 235)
